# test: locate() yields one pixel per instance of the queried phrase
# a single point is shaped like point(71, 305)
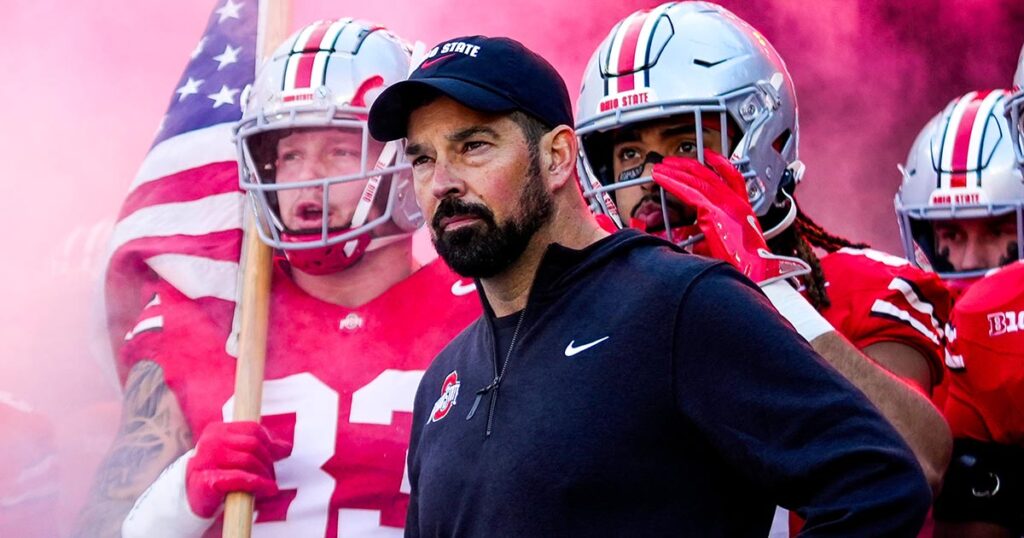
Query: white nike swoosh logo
point(459, 289)
point(570, 350)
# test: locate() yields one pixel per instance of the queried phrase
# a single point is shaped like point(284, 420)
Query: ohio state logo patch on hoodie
point(449, 393)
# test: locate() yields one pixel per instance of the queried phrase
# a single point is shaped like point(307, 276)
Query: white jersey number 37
point(315, 406)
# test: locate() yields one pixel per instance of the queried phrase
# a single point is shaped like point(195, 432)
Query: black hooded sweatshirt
point(649, 393)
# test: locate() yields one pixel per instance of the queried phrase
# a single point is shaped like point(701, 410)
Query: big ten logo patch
point(1000, 323)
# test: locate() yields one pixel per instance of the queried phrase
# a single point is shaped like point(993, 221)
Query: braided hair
point(799, 240)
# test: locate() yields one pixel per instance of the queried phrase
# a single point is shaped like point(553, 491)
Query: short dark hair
point(533, 129)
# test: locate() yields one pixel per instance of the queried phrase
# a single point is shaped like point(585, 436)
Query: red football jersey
point(339, 384)
point(877, 297)
point(986, 359)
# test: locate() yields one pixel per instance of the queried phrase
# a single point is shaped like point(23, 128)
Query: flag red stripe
point(627, 53)
point(962, 143)
point(221, 246)
point(185, 186)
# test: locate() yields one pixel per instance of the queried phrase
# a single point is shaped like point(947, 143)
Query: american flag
point(182, 218)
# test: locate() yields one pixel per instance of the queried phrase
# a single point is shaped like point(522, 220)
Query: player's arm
point(903, 361)
point(152, 434)
point(898, 397)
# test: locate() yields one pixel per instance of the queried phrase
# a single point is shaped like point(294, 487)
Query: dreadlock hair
point(799, 240)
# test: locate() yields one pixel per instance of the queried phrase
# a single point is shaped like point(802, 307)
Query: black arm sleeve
point(779, 413)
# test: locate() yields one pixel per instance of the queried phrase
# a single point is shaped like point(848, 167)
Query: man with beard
point(603, 391)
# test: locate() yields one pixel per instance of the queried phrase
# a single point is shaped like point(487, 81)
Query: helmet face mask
point(625, 155)
point(317, 88)
point(697, 60)
point(961, 185)
point(369, 172)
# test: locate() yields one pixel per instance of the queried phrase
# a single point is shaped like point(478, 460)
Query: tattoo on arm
point(153, 433)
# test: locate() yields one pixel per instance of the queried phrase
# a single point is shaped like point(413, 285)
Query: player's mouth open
point(308, 215)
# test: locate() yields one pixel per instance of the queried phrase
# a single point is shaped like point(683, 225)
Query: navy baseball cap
point(489, 74)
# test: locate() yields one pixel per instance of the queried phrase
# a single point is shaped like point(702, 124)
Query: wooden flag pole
point(256, 267)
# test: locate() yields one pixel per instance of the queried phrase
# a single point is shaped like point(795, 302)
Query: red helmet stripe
point(304, 71)
point(316, 37)
point(627, 53)
point(962, 143)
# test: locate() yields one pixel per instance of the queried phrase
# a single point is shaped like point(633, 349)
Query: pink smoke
point(86, 84)
point(869, 75)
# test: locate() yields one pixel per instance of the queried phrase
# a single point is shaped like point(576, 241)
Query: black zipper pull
point(480, 394)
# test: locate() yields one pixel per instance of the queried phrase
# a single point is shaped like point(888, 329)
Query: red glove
point(232, 456)
point(731, 232)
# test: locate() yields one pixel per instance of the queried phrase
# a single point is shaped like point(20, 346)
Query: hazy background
point(84, 85)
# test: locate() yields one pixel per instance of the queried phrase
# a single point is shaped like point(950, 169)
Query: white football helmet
point(700, 59)
point(327, 75)
point(1015, 111)
point(961, 166)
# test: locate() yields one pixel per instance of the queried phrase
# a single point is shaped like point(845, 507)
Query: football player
point(960, 202)
point(960, 208)
point(354, 321)
point(687, 118)
point(984, 487)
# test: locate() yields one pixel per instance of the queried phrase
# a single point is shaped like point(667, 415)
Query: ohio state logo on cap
point(449, 393)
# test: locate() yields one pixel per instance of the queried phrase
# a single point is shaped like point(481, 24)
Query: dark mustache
point(455, 207)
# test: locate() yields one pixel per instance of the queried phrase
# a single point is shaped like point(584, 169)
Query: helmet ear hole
point(780, 142)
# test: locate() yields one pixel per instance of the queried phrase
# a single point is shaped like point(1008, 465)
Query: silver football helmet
point(1015, 111)
point(327, 76)
point(961, 166)
point(699, 59)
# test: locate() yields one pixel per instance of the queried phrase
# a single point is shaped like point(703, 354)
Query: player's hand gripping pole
point(255, 301)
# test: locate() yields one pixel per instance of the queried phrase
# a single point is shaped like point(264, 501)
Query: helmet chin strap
point(786, 221)
point(796, 169)
point(387, 155)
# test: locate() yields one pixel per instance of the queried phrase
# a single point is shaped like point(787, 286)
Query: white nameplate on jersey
point(449, 394)
point(626, 100)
